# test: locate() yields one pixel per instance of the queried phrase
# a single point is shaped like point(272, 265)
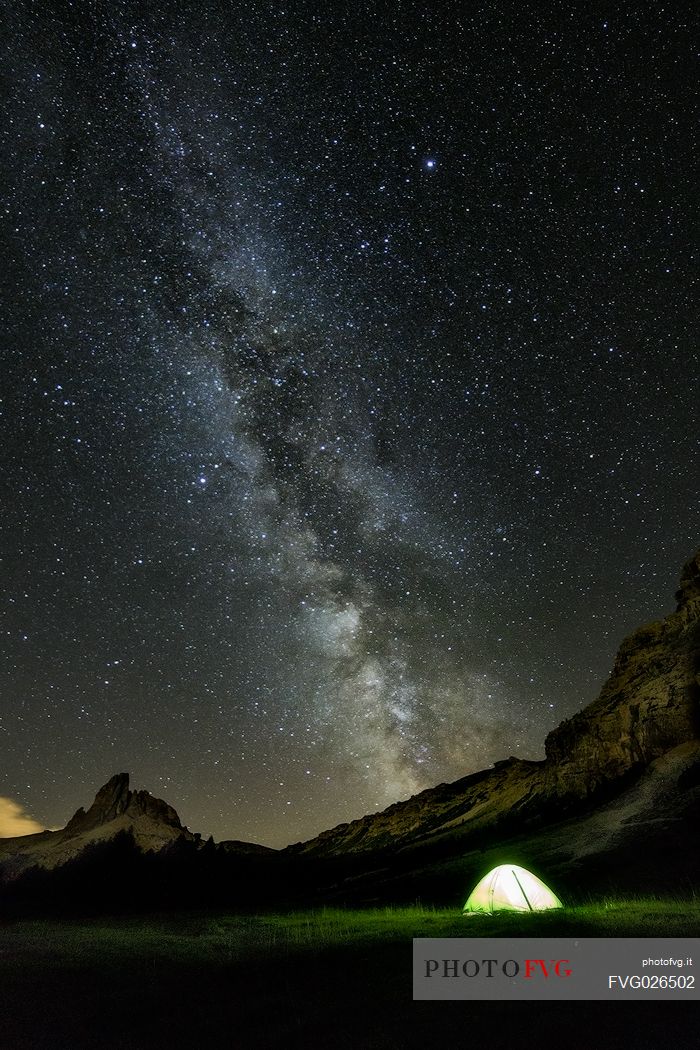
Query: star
point(276, 406)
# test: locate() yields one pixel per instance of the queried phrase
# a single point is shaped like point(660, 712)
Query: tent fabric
point(510, 888)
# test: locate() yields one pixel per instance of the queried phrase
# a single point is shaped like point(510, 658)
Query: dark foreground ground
point(324, 979)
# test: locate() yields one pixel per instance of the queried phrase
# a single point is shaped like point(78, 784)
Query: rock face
point(479, 799)
point(649, 706)
point(153, 823)
point(115, 799)
point(689, 591)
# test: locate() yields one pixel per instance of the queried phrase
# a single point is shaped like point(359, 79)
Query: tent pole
point(522, 890)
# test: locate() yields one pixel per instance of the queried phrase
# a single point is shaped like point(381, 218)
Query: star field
point(349, 395)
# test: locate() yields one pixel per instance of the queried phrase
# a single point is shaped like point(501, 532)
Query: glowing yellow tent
point(510, 888)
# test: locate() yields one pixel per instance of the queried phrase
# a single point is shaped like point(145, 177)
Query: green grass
point(233, 938)
point(331, 977)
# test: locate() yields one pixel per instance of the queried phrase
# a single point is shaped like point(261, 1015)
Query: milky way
point(349, 399)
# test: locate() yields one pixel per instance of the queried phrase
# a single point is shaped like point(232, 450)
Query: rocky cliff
point(152, 822)
point(649, 706)
point(116, 800)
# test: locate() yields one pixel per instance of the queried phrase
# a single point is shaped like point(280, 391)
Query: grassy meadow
point(329, 977)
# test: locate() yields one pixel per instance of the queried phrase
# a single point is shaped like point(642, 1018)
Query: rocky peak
point(689, 591)
point(110, 802)
point(143, 803)
point(115, 799)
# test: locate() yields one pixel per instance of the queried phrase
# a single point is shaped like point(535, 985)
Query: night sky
point(349, 394)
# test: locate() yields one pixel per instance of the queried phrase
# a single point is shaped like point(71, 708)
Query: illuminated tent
point(510, 888)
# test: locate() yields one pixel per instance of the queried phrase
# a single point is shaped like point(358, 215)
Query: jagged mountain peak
point(152, 823)
point(110, 801)
point(689, 589)
point(115, 799)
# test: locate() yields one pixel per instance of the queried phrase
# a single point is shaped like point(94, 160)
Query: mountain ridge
point(649, 705)
point(153, 823)
point(645, 723)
